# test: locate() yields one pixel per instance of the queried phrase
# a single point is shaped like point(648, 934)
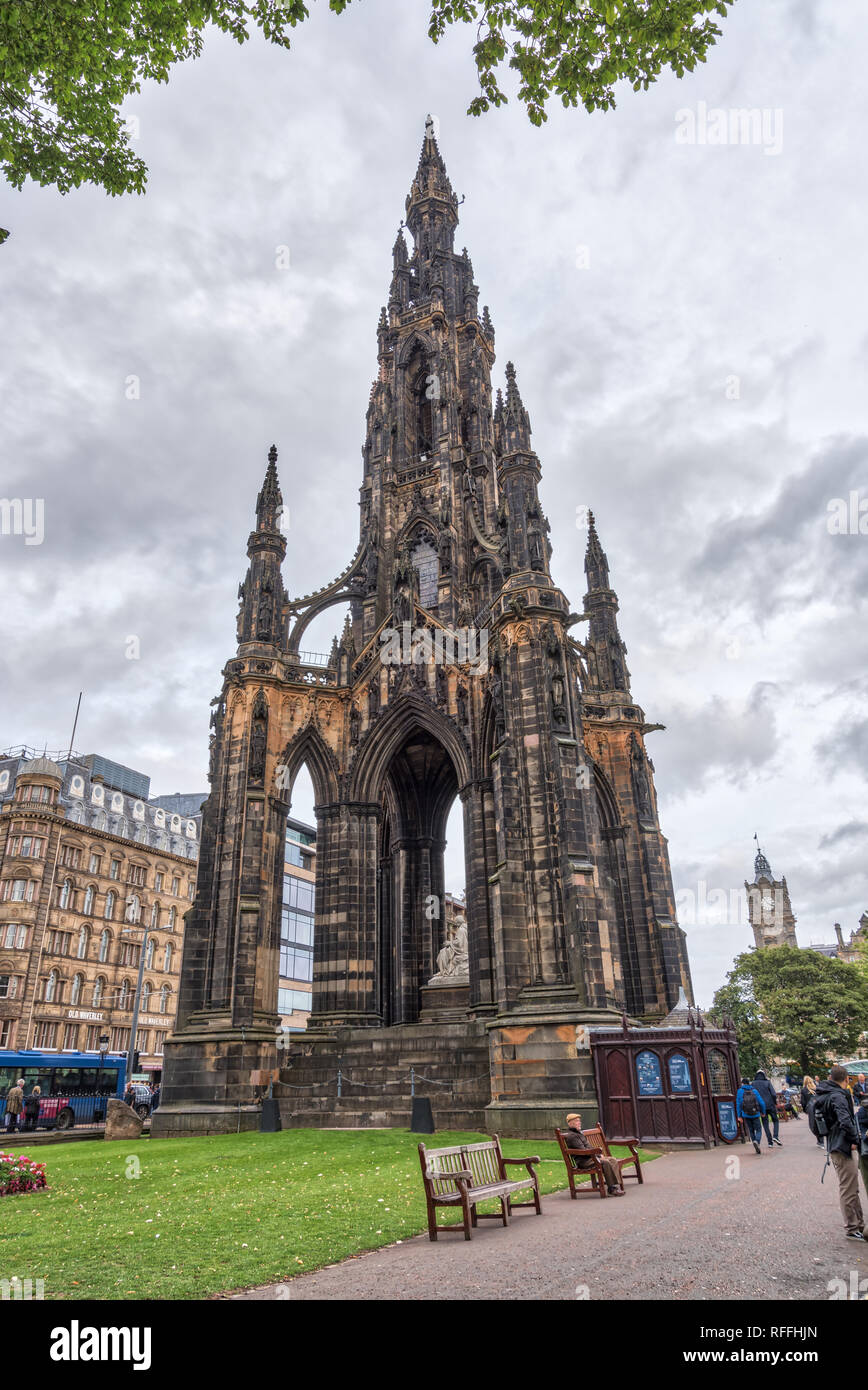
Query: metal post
point(339, 1083)
point(412, 1082)
point(135, 1023)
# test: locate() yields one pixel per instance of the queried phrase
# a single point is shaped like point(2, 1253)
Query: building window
point(51, 988)
point(296, 963)
point(120, 1039)
point(298, 893)
point(7, 1032)
point(98, 987)
point(143, 1038)
point(164, 999)
point(70, 857)
point(70, 1037)
point(146, 997)
point(289, 1000)
point(58, 943)
point(94, 864)
point(158, 883)
point(130, 952)
point(75, 992)
point(191, 890)
point(167, 957)
point(136, 875)
point(155, 915)
point(19, 890)
point(105, 942)
point(26, 847)
point(171, 922)
point(110, 900)
point(124, 995)
point(159, 1040)
point(8, 986)
point(149, 954)
point(89, 895)
point(46, 1036)
point(16, 936)
point(66, 893)
point(134, 908)
point(91, 1040)
point(115, 870)
point(176, 887)
point(83, 943)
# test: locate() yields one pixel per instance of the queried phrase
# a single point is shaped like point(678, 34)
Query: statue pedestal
point(444, 1003)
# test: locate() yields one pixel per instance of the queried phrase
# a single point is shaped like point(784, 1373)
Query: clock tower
point(769, 908)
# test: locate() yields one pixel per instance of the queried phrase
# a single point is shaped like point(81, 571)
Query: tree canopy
point(67, 66)
point(795, 1004)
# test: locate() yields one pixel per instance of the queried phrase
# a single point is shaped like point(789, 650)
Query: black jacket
point(765, 1088)
point(839, 1116)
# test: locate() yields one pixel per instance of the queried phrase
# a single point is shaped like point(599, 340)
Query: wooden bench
point(471, 1173)
point(598, 1147)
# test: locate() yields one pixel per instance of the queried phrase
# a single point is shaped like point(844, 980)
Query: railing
point(312, 659)
point(82, 1110)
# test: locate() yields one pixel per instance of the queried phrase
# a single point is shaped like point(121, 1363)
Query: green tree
point(66, 66)
point(737, 1003)
point(808, 1007)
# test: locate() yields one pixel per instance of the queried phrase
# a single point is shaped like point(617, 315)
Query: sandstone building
point(462, 671)
point(85, 860)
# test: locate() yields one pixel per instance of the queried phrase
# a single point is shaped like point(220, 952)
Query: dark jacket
point(862, 1119)
point(837, 1110)
point(766, 1090)
point(761, 1105)
point(805, 1095)
point(574, 1139)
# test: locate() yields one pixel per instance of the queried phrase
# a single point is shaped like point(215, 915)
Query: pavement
point(706, 1224)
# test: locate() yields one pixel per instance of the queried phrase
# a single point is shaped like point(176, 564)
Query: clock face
point(767, 902)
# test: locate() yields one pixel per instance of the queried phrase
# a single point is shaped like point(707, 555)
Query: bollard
point(269, 1121)
point(422, 1118)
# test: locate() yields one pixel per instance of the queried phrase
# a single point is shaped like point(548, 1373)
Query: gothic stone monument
point(457, 674)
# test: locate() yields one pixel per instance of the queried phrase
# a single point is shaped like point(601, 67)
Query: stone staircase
point(451, 1064)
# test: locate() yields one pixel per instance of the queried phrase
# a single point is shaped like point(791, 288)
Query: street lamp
point(103, 1049)
point(135, 1022)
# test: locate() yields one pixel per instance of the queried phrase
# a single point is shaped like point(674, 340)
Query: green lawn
point(225, 1212)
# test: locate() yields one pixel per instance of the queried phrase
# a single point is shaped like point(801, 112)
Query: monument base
point(213, 1071)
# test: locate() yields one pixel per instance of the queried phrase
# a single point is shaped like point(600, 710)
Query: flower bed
point(20, 1174)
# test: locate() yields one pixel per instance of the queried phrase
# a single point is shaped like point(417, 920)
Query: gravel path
point(690, 1232)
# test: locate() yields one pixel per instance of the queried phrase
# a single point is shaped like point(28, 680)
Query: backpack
point(817, 1122)
point(750, 1106)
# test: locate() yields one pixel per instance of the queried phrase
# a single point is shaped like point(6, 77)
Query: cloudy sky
point(688, 321)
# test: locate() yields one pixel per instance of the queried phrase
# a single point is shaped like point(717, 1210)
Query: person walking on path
point(769, 1095)
point(834, 1104)
point(14, 1105)
point(859, 1093)
point(862, 1126)
point(809, 1092)
point(750, 1107)
point(31, 1108)
point(575, 1139)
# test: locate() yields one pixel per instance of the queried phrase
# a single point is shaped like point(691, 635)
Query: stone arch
point(408, 714)
point(308, 747)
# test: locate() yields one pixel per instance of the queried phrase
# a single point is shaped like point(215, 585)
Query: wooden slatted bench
point(471, 1173)
point(598, 1148)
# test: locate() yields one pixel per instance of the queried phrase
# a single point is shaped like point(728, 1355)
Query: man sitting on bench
point(576, 1140)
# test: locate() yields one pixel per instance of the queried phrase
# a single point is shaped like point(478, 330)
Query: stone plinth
point(444, 1003)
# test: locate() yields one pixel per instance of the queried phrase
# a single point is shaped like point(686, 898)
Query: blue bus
point(74, 1085)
